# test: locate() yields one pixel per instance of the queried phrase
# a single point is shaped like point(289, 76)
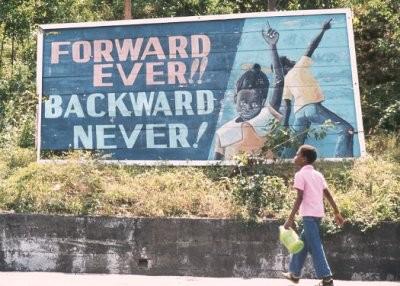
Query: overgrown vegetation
point(250, 191)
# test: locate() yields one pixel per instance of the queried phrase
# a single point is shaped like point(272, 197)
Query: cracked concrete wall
point(175, 246)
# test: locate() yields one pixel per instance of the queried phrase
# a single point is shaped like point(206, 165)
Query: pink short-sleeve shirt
point(312, 183)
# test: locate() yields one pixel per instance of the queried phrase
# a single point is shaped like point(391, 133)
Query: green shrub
point(166, 192)
point(14, 158)
point(43, 188)
point(384, 146)
point(259, 195)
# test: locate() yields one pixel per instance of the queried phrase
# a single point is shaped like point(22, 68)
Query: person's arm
point(219, 151)
point(271, 36)
point(218, 156)
point(276, 98)
point(288, 104)
point(296, 206)
point(338, 217)
point(314, 44)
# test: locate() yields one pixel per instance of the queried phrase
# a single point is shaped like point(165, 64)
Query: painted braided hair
point(254, 79)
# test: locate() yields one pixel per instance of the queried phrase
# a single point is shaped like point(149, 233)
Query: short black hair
point(286, 62)
point(309, 152)
point(254, 79)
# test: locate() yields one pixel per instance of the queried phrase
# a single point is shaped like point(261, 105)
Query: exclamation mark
point(203, 65)
point(193, 70)
point(202, 129)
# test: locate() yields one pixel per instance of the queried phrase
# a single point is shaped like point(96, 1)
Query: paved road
point(61, 279)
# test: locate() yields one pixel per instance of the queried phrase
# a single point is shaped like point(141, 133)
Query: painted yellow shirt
point(301, 85)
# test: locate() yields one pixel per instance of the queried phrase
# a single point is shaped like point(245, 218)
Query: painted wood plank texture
point(167, 90)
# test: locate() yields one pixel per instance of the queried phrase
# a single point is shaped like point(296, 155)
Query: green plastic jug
point(290, 240)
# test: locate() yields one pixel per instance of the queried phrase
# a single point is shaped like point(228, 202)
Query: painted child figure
point(246, 133)
point(311, 189)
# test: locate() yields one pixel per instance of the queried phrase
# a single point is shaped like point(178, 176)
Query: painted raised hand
point(270, 35)
point(327, 24)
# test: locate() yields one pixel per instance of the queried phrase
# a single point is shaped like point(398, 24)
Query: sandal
point(326, 282)
point(291, 277)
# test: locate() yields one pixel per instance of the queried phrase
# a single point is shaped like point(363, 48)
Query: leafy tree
point(18, 26)
point(377, 34)
point(174, 8)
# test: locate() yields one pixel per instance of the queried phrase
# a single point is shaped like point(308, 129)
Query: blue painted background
point(235, 43)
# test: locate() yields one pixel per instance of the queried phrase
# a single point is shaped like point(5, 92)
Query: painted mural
point(200, 89)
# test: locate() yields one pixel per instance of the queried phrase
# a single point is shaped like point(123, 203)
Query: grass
point(367, 190)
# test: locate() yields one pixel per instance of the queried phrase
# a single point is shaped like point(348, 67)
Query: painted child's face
point(248, 103)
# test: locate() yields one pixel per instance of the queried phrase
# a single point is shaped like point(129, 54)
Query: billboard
point(199, 90)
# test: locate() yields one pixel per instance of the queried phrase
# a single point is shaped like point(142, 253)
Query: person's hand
point(327, 24)
point(270, 35)
point(288, 224)
point(339, 219)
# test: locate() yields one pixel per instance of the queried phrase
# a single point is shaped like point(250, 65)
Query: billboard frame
point(350, 34)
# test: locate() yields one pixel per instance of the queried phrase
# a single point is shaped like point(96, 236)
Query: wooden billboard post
point(271, 5)
point(128, 10)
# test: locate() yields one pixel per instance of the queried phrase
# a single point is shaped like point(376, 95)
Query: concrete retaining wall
point(173, 246)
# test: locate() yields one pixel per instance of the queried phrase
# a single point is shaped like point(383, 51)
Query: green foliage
point(12, 159)
point(377, 33)
point(17, 109)
point(173, 8)
point(368, 189)
point(374, 196)
point(390, 119)
point(280, 137)
point(15, 18)
point(258, 195)
point(384, 146)
point(18, 25)
point(171, 192)
point(80, 188)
